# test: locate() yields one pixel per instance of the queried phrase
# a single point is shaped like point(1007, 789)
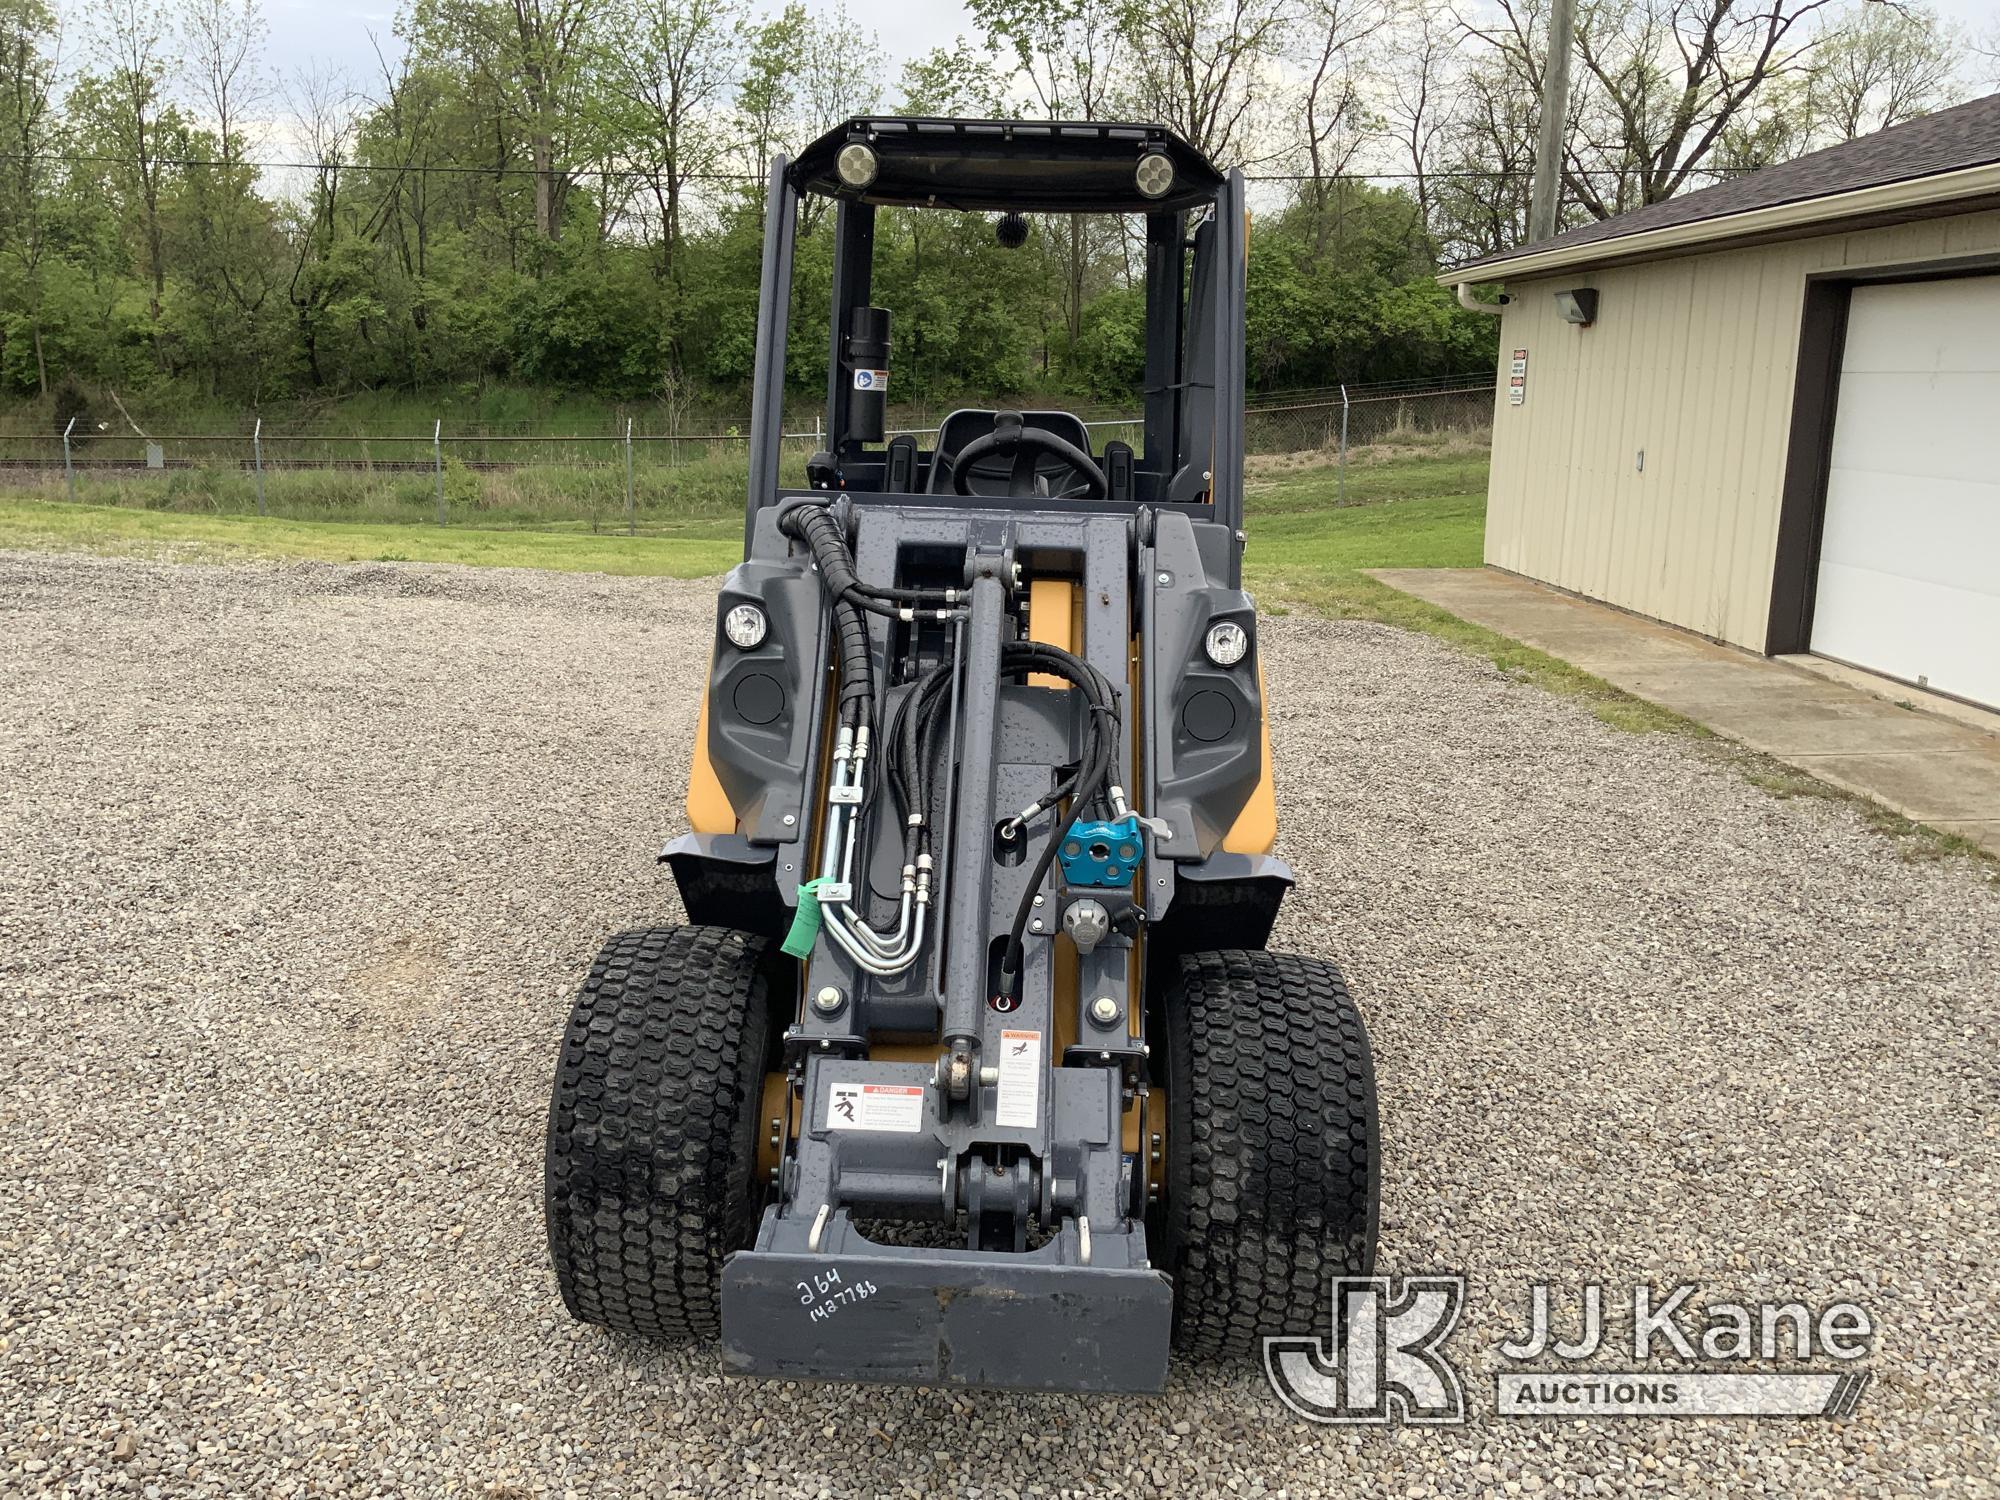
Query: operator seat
point(991, 475)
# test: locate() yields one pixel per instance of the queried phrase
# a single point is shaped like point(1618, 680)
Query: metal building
point(1770, 411)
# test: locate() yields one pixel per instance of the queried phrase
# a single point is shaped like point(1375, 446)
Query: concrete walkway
point(1944, 771)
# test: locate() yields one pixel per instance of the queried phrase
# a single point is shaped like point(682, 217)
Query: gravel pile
point(299, 866)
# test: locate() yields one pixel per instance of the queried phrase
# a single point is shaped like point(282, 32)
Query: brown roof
point(1948, 141)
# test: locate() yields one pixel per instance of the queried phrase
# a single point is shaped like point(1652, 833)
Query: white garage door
point(1909, 562)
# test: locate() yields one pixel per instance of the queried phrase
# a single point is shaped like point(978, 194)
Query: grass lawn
point(696, 550)
point(1420, 510)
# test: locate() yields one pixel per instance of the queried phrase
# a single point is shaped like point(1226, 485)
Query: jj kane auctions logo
point(1383, 1355)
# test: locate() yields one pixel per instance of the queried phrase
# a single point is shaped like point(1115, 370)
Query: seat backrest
point(990, 476)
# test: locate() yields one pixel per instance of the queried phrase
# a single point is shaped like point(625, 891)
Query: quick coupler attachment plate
point(946, 1319)
point(1102, 854)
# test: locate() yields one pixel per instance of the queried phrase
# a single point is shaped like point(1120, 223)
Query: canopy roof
point(1028, 166)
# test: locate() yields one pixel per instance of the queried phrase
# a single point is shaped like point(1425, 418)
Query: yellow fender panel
point(708, 806)
point(1255, 830)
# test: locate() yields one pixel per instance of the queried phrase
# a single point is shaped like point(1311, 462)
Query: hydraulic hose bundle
point(910, 753)
point(806, 518)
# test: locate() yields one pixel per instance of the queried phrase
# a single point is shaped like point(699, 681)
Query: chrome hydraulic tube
point(884, 955)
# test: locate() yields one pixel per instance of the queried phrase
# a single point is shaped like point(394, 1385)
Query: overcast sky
point(303, 31)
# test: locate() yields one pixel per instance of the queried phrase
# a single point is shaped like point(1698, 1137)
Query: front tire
point(651, 1173)
point(1273, 1149)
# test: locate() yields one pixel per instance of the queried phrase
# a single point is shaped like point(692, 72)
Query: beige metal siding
point(1691, 360)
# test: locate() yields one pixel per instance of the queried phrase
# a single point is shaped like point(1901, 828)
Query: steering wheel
point(1011, 435)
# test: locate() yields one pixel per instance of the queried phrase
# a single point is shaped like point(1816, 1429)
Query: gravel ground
point(300, 864)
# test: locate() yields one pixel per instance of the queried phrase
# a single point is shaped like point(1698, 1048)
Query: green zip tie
point(805, 922)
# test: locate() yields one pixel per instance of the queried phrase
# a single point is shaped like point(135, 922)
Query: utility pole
point(1555, 115)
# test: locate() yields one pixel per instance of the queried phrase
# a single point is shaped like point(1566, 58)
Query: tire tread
point(651, 1140)
point(1273, 1152)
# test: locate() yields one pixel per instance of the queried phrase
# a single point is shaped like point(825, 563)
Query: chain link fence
point(634, 481)
point(1364, 416)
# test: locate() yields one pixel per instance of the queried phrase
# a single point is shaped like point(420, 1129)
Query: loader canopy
point(1189, 449)
point(1019, 166)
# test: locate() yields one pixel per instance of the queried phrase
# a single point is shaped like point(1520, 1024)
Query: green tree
point(767, 95)
point(950, 81)
point(29, 47)
point(224, 308)
point(672, 79)
point(539, 62)
point(1206, 67)
point(1364, 308)
point(126, 104)
point(1070, 53)
point(1071, 56)
point(547, 191)
point(1879, 65)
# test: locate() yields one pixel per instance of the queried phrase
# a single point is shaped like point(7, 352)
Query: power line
point(74, 158)
point(68, 158)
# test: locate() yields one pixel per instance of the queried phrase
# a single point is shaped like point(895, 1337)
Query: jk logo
point(1380, 1355)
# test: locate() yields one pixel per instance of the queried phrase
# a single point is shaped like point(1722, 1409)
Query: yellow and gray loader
point(971, 1067)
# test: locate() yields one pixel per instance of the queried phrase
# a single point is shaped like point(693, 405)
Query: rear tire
point(1273, 1156)
point(651, 1176)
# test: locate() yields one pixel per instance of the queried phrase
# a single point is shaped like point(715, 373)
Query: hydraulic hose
point(822, 534)
point(906, 750)
point(1087, 785)
point(909, 750)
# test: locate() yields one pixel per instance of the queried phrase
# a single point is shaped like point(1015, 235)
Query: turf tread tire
point(652, 1155)
point(1273, 1154)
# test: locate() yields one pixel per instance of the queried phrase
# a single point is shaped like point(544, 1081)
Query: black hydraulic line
point(909, 745)
point(822, 534)
point(921, 742)
point(891, 610)
point(889, 598)
point(892, 761)
point(1100, 695)
point(908, 748)
point(926, 598)
point(1086, 786)
point(808, 519)
point(857, 673)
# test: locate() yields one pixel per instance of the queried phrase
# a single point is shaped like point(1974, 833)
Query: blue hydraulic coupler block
point(1102, 854)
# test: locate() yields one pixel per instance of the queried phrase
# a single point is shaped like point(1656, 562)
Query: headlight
point(1227, 642)
point(856, 164)
point(1156, 174)
point(746, 626)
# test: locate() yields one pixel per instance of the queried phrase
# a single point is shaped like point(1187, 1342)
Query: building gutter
point(1778, 221)
point(1472, 304)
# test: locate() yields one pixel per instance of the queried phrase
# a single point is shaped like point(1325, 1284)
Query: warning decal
point(871, 380)
point(1020, 1094)
point(876, 1106)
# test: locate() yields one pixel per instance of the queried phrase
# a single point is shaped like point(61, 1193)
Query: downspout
point(1472, 304)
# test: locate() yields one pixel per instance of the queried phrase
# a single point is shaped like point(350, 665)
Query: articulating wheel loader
point(971, 1067)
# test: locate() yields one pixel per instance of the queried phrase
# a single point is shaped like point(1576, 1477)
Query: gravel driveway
point(299, 866)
